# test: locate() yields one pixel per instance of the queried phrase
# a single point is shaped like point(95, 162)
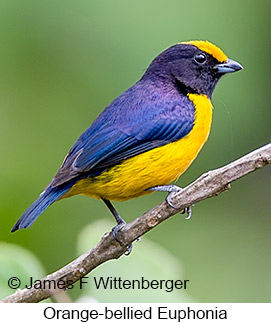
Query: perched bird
point(147, 137)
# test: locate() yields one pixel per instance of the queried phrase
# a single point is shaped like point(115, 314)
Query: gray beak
point(228, 67)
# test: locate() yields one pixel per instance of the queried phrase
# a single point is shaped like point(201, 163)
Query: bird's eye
point(200, 58)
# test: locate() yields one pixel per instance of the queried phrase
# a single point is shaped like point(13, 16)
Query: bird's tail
point(46, 198)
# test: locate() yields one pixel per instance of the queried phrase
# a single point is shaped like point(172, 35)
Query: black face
point(192, 69)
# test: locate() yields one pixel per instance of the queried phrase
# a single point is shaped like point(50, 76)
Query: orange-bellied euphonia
point(147, 137)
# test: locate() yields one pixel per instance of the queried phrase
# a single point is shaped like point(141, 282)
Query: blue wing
point(118, 134)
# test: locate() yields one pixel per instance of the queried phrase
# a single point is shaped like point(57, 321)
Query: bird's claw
point(115, 231)
point(187, 210)
point(128, 250)
point(169, 199)
point(171, 189)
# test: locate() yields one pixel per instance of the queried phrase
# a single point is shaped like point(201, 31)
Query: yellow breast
point(159, 166)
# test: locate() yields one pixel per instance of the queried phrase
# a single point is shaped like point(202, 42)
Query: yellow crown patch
point(209, 48)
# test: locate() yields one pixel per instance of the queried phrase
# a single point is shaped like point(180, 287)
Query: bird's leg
point(120, 222)
point(171, 189)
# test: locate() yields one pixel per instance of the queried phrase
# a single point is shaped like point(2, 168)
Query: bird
point(146, 137)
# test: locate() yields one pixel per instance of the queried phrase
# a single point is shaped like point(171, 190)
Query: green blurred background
point(61, 63)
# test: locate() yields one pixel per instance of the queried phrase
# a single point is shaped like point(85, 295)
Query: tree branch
point(208, 185)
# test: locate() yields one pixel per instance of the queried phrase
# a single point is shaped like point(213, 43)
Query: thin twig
point(208, 185)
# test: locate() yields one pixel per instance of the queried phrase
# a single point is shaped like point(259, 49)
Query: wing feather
point(120, 133)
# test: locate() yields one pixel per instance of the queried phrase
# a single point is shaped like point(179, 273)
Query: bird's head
point(195, 66)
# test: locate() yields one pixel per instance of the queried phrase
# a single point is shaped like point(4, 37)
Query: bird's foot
point(120, 224)
point(115, 231)
point(172, 189)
